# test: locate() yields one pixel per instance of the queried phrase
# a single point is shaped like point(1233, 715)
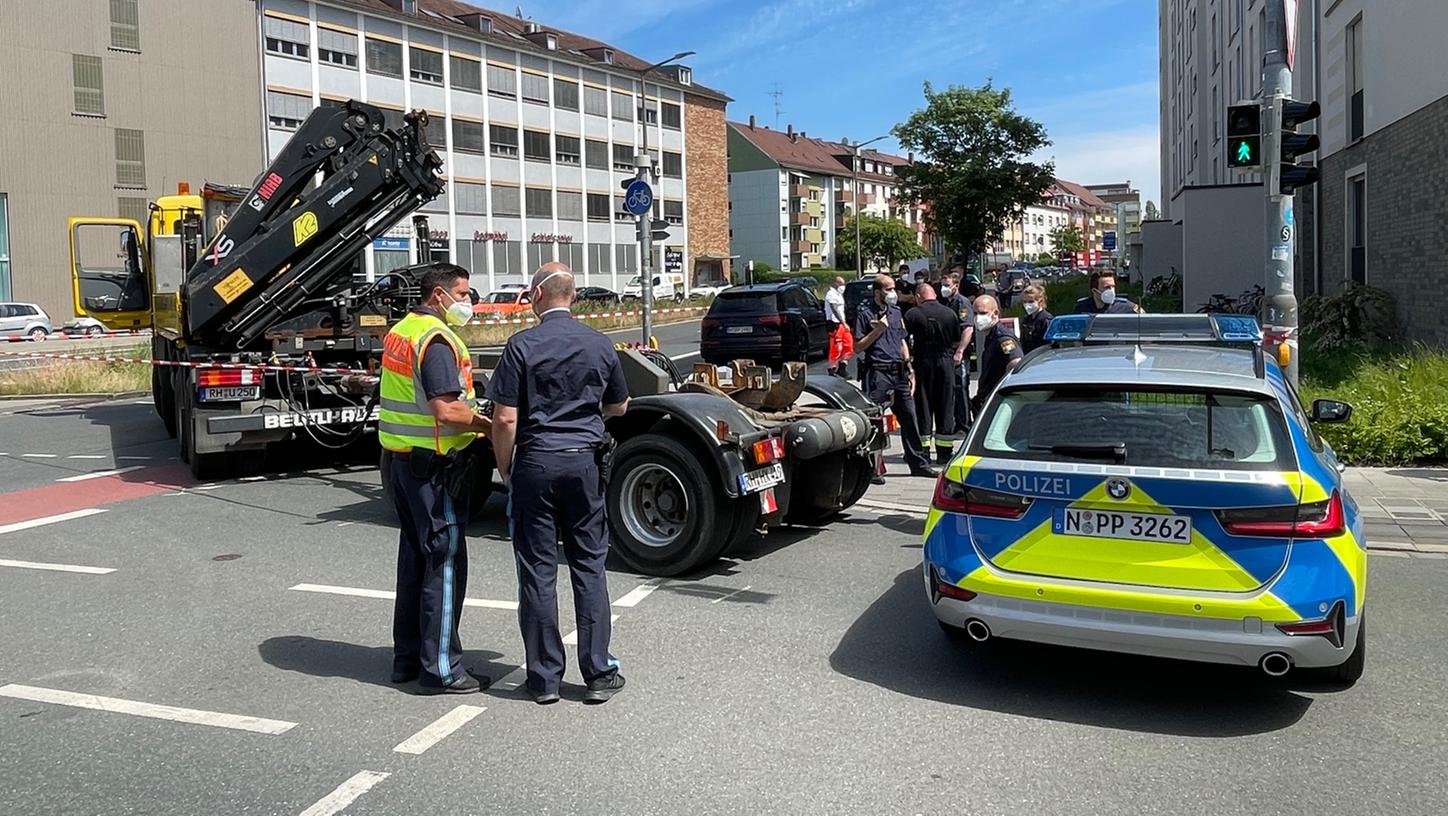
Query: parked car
point(596, 294)
point(707, 291)
point(857, 292)
point(19, 320)
point(504, 302)
point(768, 322)
point(84, 326)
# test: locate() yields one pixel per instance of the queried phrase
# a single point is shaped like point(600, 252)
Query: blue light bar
point(1067, 328)
point(1237, 328)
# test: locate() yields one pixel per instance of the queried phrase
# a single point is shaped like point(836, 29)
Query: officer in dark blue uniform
point(880, 342)
point(1000, 350)
point(552, 389)
point(1103, 298)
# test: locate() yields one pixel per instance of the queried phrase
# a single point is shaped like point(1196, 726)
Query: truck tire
point(163, 392)
point(663, 507)
point(745, 514)
point(204, 466)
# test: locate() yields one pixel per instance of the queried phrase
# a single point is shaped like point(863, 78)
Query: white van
point(666, 287)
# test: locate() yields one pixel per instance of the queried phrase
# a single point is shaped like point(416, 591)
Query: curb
point(117, 395)
point(907, 509)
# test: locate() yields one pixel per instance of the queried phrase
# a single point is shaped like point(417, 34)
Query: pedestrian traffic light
point(1244, 135)
point(1294, 144)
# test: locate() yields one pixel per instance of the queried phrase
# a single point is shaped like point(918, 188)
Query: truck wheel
point(663, 507)
point(745, 514)
point(204, 466)
point(163, 392)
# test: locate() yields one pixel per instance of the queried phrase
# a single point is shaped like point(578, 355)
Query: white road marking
point(85, 456)
point(40, 565)
point(136, 458)
point(345, 794)
point(730, 595)
point(208, 487)
point(638, 593)
point(193, 716)
point(44, 520)
point(388, 595)
point(440, 728)
point(686, 356)
point(571, 639)
point(252, 478)
point(82, 477)
point(38, 455)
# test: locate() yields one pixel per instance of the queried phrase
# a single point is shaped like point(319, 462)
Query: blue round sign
point(638, 198)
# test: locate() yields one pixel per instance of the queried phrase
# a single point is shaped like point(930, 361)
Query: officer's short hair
point(1098, 274)
point(439, 274)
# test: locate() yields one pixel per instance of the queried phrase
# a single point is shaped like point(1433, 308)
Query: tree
point(1068, 239)
point(1152, 213)
point(885, 240)
point(1046, 259)
point(972, 166)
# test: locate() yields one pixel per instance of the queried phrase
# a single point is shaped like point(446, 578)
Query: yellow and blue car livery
point(1268, 567)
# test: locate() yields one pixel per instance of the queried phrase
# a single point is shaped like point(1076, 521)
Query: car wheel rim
point(655, 506)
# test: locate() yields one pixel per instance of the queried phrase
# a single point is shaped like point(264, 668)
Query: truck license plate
point(1131, 526)
point(762, 479)
point(230, 393)
point(739, 330)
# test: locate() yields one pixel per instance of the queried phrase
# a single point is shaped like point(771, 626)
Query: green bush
point(1399, 399)
point(1347, 320)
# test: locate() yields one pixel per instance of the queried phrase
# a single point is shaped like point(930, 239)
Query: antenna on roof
point(778, 108)
point(520, 13)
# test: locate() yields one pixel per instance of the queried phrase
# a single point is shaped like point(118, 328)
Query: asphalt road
point(807, 677)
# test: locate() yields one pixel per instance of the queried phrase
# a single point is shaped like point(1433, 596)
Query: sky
point(1086, 69)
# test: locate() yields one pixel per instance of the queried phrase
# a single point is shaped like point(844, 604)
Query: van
point(666, 287)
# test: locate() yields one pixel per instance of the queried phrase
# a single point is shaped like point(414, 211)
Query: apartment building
point(1029, 237)
point(538, 128)
point(110, 105)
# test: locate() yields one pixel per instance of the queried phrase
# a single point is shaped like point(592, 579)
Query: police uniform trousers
point(888, 385)
point(432, 574)
point(557, 496)
point(962, 397)
point(935, 400)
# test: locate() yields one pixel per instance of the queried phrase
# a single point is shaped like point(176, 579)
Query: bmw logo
point(1118, 489)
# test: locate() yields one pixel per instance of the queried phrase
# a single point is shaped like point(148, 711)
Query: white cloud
point(1110, 156)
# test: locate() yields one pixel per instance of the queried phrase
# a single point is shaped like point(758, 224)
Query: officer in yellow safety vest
point(427, 418)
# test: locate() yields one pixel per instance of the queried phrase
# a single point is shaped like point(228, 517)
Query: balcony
point(800, 246)
point(799, 219)
point(844, 196)
point(799, 191)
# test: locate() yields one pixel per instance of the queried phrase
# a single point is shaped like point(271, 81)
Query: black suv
point(768, 322)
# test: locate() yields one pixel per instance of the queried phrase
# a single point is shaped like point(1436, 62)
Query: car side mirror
point(1329, 411)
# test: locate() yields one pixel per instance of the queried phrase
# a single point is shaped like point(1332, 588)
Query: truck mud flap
point(280, 420)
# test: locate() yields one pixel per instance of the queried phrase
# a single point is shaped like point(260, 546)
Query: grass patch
point(1399, 399)
point(498, 335)
point(79, 377)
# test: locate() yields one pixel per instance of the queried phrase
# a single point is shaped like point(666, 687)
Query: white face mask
point(983, 322)
point(1108, 296)
point(1032, 307)
point(891, 298)
point(946, 291)
point(459, 312)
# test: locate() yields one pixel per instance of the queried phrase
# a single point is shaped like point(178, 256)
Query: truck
point(264, 330)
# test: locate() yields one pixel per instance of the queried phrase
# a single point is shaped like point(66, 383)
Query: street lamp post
point(646, 231)
point(855, 177)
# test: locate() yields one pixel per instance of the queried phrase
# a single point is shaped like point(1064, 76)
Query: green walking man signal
point(1244, 135)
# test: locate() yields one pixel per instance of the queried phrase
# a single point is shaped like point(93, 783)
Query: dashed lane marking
point(40, 565)
point(439, 729)
point(638, 593)
point(84, 477)
point(388, 595)
point(38, 455)
point(345, 794)
point(44, 520)
point(730, 595)
point(85, 456)
point(193, 716)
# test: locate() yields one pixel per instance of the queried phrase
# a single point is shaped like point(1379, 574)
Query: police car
point(1153, 489)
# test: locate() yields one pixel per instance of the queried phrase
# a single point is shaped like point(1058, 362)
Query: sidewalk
point(1405, 510)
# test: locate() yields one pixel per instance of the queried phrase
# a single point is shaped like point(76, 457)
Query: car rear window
point(730, 303)
point(1155, 428)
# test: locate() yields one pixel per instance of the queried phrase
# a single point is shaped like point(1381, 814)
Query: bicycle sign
point(638, 198)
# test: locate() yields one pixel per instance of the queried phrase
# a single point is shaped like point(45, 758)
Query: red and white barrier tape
point(103, 358)
point(77, 337)
point(587, 316)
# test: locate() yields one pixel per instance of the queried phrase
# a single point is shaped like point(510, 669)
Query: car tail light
point(1322, 519)
point(947, 589)
point(771, 320)
point(214, 377)
point(710, 324)
point(768, 450)
point(1331, 627)
point(954, 497)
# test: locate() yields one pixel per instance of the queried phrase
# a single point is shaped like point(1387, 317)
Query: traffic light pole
point(1280, 302)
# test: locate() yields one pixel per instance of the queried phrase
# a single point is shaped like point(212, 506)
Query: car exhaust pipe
point(977, 630)
point(1275, 664)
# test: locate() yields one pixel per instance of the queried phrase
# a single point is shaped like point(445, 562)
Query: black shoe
point(469, 683)
point(602, 688)
point(877, 479)
point(544, 697)
point(405, 675)
point(924, 471)
point(943, 456)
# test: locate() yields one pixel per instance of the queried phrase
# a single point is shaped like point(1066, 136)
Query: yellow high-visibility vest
point(405, 419)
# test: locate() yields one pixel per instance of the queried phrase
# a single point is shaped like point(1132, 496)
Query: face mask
point(1108, 296)
point(891, 298)
point(946, 291)
point(459, 312)
point(983, 322)
point(1032, 307)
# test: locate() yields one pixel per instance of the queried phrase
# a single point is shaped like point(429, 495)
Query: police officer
point(935, 335)
point(1001, 350)
point(1033, 333)
point(952, 296)
point(426, 420)
point(880, 340)
point(1103, 298)
point(551, 391)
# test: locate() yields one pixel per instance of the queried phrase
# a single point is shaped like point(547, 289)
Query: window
point(1355, 124)
point(623, 158)
point(536, 146)
point(384, 58)
point(470, 198)
point(623, 106)
point(598, 207)
point(507, 201)
point(1357, 229)
point(392, 119)
point(674, 212)
point(125, 25)
point(4, 246)
point(286, 111)
point(508, 258)
point(673, 164)
point(672, 116)
point(1216, 46)
point(535, 88)
point(130, 158)
point(505, 140)
point(570, 206)
point(565, 94)
point(136, 208)
point(597, 154)
point(467, 136)
point(600, 259)
point(90, 95)
point(539, 202)
point(567, 149)
point(502, 81)
point(539, 254)
point(627, 258)
point(595, 101)
point(426, 66)
point(651, 112)
point(1216, 134)
point(287, 38)
point(467, 75)
point(619, 213)
point(337, 47)
point(437, 205)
